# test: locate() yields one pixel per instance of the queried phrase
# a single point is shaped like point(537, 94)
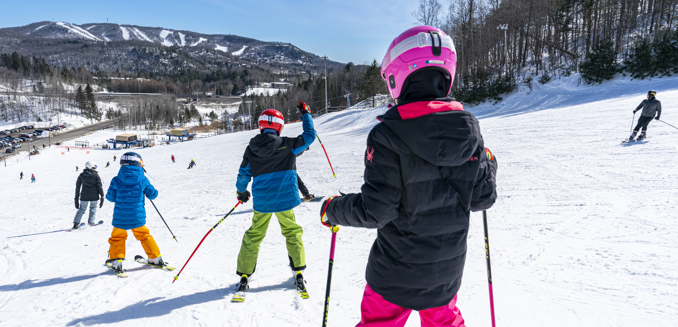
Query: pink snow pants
point(377, 312)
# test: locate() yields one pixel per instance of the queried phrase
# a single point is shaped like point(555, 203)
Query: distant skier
point(88, 191)
point(128, 191)
point(108, 163)
point(191, 165)
point(76, 168)
point(173, 159)
point(114, 157)
point(21, 175)
point(426, 169)
point(32, 178)
point(650, 107)
point(271, 160)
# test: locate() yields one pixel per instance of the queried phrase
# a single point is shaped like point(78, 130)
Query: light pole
point(504, 27)
point(325, 77)
point(250, 112)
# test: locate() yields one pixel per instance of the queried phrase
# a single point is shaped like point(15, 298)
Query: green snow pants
point(251, 241)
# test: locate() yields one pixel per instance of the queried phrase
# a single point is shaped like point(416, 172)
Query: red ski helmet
point(416, 48)
point(272, 119)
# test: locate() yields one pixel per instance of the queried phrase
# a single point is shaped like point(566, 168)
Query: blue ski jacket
point(127, 191)
point(270, 160)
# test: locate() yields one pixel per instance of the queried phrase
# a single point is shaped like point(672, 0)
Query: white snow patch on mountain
point(221, 48)
point(239, 52)
point(165, 33)
point(89, 28)
point(140, 34)
point(163, 36)
point(199, 41)
point(35, 30)
point(125, 33)
point(268, 91)
point(182, 38)
point(77, 30)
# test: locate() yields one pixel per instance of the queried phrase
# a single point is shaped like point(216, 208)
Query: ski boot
point(243, 286)
point(633, 136)
point(75, 226)
point(91, 224)
point(641, 137)
point(301, 284)
point(309, 197)
point(116, 265)
point(158, 262)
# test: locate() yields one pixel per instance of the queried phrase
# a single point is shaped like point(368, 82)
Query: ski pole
point(632, 120)
point(667, 123)
point(334, 230)
point(489, 271)
point(204, 237)
point(328, 157)
point(163, 220)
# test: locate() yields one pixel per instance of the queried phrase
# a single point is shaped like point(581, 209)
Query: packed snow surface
point(77, 30)
point(239, 52)
point(125, 32)
point(140, 34)
point(163, 36)
point(182, 36)
point(200, 40)
point(583, 232)
point(221, 48)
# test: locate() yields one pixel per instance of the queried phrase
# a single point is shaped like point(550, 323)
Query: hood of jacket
point(89, 173)
point(265, 145)
point(130, 174)
point(443, 137)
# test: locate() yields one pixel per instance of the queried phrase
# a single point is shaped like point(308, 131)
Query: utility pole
point(250, 112)
point(325, 77)
point(504, 27)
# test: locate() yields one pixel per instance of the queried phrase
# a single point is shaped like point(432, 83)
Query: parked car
point(26, 135)
point(14, 131)
point(38, 131)
point(62, 126)
point(9, 150)
point(30, 126)
point(4, 132)
point(17, 145)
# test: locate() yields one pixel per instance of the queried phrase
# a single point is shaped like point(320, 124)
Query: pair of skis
point(239, 296)
point(141, 260)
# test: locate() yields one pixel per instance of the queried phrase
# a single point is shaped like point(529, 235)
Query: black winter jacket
point(90, 182)
point(423, 176)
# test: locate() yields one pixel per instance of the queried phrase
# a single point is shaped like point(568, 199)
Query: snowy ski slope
point(584, 231)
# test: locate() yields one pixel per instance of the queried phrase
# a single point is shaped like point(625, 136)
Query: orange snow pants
point(119, 236)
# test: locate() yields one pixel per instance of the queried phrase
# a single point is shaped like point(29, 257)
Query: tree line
point(502, 43)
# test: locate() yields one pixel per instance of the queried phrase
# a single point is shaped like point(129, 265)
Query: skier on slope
point(32, 178)
point(191, 165)
point(114, 157)
point(108, 163)
point(271, 160)
point(76, 168)
point(21, 175)
point(426, 169)
point(127, 191)
point(172, 158)
point(88, 191)
point(650, 107)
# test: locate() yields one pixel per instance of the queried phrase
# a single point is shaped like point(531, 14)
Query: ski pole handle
point(203, 238)
point(328, 157)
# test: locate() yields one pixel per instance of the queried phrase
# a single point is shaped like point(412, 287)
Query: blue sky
point(344, 30)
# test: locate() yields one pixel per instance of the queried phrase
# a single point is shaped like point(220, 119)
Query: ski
point(79, 226)
point(119, 273)
point(300, 284)
point(243, 286)
point(144, 261)
point(315, 199)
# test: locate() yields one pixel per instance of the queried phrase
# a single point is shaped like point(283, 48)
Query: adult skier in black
point(89, 191)
point(21, 176)
point(108, 163)
point(651, 107)
point(191, 165)
point(76, 168)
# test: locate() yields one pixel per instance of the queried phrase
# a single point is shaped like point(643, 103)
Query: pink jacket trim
point(423, 108)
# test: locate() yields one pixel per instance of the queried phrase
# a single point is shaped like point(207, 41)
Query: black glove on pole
point(163, 220)
point(243, 196)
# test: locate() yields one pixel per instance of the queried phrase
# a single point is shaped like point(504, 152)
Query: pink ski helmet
point(416, 48)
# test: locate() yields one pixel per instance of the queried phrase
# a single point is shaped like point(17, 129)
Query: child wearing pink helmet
point(426, 169)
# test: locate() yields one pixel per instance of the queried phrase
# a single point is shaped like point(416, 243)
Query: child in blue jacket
point(127, 191)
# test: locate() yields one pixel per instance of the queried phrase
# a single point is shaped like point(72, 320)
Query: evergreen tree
point(639, 63)
point(235, 90)
point(600, 64)
point(81, 100)
point(372, 83)
point(93, 111)
point(665, 50)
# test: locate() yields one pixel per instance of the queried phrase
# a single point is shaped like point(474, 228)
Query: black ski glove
point(243, 196)
point(657, 118)
point(303, 108)
point(635, 111)
point(77, 203)
point(101, 202)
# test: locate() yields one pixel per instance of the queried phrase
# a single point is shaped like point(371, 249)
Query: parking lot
point(13, 139)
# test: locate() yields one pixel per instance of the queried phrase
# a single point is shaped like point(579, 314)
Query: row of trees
point(551, 37)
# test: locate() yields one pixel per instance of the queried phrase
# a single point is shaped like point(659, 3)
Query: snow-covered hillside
point(583, 232)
